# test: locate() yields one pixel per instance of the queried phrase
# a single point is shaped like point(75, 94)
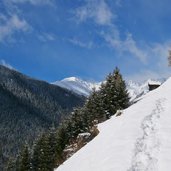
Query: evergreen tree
point(39, 155)
point(114, 93)
point(94, 108)
point(112, 96)
point(24, 164)
point(11, 166)
point(52, 146)
point(62, 141)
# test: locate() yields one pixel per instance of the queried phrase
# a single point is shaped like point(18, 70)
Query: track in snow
point(148, 145)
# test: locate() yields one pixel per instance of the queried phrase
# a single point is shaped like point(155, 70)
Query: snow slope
point(139, 89)
point(138, 140)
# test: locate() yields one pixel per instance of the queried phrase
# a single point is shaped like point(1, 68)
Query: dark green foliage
point(48, 152)
point(99, 106)
point(114, 94)
point(28, 108)
point(25, 161)
point(41, 155)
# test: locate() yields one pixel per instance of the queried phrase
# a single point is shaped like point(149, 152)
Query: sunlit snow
point(138, 140)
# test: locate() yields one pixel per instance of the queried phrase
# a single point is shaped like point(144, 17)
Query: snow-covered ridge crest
point(138, 140)
point(84, 88)
point(78, 86)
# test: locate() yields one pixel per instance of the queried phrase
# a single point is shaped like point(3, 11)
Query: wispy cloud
point(4, 63)
point(100, 13)
point(34, 2)
point(158, 54)
point(82, 44)
point(13, 20)
point(46, 37)
point(10, 25)
point(127, 45)
point(97, 10)
point(123, 43)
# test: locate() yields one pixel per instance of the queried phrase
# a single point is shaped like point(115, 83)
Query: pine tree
point(94, 108)
point(52, 145)
point(62, 141)
point(24, 160)
point(40, 154)
point(11, 166)
point(114, 93)
point(112, 96)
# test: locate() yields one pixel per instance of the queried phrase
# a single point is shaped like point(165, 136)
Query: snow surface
point(138, 140)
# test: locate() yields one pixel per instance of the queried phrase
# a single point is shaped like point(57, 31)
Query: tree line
point(48, 151)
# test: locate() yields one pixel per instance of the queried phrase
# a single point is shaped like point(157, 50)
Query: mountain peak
point(78, 85)
point(71, 79)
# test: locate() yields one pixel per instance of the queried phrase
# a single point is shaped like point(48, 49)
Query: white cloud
point(131, 46)
point(34, 2)
point(4, 63)
point(157, 54)
point(127, 45)
point(10, 25)
point(44, 37)
point(77, 42)
point(97, 10)
point(101, 14)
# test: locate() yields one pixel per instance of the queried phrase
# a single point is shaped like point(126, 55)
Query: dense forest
point(56, 145)
point(28, 108)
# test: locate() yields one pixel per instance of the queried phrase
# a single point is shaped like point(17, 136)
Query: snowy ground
point(138, 140)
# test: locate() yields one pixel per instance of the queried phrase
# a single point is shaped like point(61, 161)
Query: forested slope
point(28, 107)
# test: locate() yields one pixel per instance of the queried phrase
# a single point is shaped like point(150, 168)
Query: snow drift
point(138, 140)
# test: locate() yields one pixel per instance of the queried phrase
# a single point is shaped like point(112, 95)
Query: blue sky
point(54, 39)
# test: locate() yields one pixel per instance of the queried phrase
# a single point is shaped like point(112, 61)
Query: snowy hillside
point(85, 87)
point(138, 140)
point(138, 89)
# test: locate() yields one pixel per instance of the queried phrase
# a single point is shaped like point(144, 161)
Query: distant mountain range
point(85, 88)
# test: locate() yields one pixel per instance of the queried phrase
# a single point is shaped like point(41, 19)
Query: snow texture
point(138, 140)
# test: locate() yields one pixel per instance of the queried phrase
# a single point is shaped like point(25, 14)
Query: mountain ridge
point(29, 107)
point(83, 87)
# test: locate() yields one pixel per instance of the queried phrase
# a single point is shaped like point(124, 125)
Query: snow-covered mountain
point(78, 86)
point(84, 88)
point(138, 140)
point(137, 90)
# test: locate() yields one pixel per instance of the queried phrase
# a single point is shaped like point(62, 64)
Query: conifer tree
point(25, 160)
point(39, 155)
point(52, 145)
point(94, 108)
point(11, 166)
point(49, 150)
point(62, 141)
point(114, 93)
